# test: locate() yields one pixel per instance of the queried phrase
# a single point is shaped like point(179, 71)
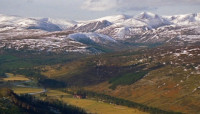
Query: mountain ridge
point(52, 34)
point(192, 17)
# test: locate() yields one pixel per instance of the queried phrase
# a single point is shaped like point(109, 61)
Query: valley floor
point(90, 105)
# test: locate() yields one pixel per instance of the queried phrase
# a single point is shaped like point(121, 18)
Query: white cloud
point(99, 5)
point(102, 5)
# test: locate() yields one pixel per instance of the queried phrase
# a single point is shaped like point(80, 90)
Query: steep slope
point(90, 26)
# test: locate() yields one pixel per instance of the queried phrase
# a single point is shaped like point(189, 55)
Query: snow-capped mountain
point(90, 36)
point(154, 28)
point(184, 19)
point(152, 20)
point(46, 24)
point(122, 27)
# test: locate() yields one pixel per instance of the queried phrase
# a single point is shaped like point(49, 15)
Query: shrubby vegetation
point(127, 79)
point(26, 104)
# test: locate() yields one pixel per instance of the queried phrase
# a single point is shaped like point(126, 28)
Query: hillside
point(162, 77)
point(26, 104)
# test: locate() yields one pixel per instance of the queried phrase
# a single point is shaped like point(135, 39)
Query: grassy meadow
point(92, 105)
point(12, 77)
point(25, 90)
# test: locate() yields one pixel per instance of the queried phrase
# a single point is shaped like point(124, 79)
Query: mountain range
point(94, 36)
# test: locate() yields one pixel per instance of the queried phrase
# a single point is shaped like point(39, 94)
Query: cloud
point(124, 9)
point(29, 1)
point(127, 5)
point(99, 5)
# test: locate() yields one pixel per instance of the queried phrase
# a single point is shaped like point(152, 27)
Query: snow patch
point(95, 37)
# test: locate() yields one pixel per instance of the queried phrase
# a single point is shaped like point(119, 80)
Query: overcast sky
point(90, 9)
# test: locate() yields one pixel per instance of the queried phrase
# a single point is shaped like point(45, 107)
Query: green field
point(25, 90)
point(91, 105)
point(98, 107)
point(12, 77)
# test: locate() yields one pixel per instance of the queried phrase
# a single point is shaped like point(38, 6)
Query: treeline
point(51, 83)
point(123, 102)
point(42, 58)
point(29, 72)
point(31, 105)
